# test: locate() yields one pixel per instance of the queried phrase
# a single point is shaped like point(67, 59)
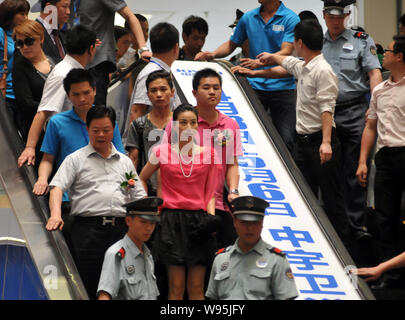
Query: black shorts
point(185, 238)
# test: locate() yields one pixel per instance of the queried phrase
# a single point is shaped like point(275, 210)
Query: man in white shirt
point(81, 48)
point(316, 150)
point(94, 177)
point(386, 119)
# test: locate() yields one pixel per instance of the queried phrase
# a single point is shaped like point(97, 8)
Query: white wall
point(218, 13)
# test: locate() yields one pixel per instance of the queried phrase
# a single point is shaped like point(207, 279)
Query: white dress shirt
point(93, 182)
point(317, 89)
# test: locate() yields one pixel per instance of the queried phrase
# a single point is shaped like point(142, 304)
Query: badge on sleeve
point(289, 274)
point(130, 269)
point(224, 266)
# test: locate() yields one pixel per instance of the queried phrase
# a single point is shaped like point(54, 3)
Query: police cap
point(249, 208)
point(336, 7)
point(146, 208)
point(239, 15)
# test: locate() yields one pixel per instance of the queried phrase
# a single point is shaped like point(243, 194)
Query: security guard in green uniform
point(250, 269)
point(353, 57)
point(128, 268)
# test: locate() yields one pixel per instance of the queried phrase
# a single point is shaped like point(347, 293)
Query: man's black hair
point(99, 112)
point(311, 34)
point(79, 39)
point(194, 22)
point(205, 73)
point(163, 37)
point(159, 74)
point(77, 76)
point(399, 45)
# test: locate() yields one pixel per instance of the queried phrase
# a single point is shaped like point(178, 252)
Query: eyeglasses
point(389, 50)
point(27, 42)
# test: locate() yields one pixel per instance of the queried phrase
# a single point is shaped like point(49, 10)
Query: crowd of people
point(144, 197)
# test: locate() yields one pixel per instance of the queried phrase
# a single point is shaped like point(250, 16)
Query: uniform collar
point(259, 247)
point(345, 34)
point(131, 247)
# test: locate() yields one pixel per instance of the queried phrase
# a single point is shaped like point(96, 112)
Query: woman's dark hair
point(311, 34)
point(159, 74)
point(205, 73)
point(9, 8)
point(307, 15)
point(77, 76)
point(194, 22)
point(79, 40)
point(163, 37)
point(399, 45)
point(99, 112)
point(184, 107)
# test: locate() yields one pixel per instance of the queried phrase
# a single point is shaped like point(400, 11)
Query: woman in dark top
point(31, 69)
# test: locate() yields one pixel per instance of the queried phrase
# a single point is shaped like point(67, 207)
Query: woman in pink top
point(184, 237)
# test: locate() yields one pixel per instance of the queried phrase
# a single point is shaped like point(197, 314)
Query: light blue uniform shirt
point(258, 274)
point(66, 133)
point(130, 277)
point(351, 59)
point(267, 37)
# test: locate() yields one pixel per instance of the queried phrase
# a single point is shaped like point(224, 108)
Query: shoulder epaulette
point(361, 35)
point(121, 253)
point(222, 250)
point(277, 251)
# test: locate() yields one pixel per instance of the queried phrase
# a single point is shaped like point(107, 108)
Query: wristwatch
point(235, 191)
point(143, 49)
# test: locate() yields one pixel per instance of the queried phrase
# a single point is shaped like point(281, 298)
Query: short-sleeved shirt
point(54, 97)
point(188, 184)
point(317, 90)
point(259, 274)
point(229, 129)
point(10, 56)
point(351, 58)
point(151, 136)
point(100, 16)
point(267, 37)
point(387, 106)
point(130, 277)
point(93, 182)
point(66, 133)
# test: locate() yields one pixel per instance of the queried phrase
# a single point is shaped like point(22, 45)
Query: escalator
point(34, 264)
point(294, 222)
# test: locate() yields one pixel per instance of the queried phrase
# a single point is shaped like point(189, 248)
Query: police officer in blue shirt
point(251, 269)
point(128, 267)
point(353, 57)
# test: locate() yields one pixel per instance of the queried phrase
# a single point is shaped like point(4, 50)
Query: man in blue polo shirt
point(66, 132)
point(269, 28)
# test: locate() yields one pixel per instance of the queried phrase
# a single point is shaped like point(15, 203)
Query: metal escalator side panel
point(50, 255)
point(294, 222)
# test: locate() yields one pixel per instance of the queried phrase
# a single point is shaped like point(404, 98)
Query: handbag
point(3, 79)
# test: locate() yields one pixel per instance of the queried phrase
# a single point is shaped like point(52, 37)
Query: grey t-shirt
point(144, 139)
point(99, 15)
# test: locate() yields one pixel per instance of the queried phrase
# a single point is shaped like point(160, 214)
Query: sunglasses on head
point(26, 42)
